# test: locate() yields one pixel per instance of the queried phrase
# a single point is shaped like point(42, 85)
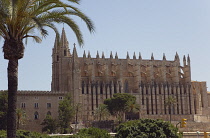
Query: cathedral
point(91, 80)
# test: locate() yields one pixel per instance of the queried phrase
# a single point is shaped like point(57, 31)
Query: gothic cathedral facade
point(92, 80)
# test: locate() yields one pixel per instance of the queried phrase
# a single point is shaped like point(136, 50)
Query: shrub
point(24, 134)
point(3, 134)
point(147, 128)
point(92, 133)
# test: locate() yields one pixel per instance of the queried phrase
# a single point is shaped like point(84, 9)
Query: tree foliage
point(66, 114)
point(147, 128)
point(92, 133)
point(21, 117)
point(25, 134)
point(101, 113)
point(170, 102)
point(49, 124)
point(3, 110)
point(20, 19)
point(119, 104)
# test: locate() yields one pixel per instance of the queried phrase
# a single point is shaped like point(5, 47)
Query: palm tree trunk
point(170, 112)
point(12, 72)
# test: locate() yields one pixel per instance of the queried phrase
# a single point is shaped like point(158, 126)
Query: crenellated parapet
point(41, 93)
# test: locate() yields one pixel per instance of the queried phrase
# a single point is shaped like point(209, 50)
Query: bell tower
point(60, 68)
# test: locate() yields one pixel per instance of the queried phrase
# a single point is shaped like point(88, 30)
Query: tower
point(60, 64)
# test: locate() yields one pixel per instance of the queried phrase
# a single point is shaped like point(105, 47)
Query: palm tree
point(132, 108)
point(170, 101)
point(21, 115)
point(101, 113)
point(77, 110)
point(18, 20)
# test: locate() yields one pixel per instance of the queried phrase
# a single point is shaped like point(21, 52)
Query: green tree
point(3, 110)
point(21, 117)
point(66, 114)
point(118, 104)
point(132, 107)
point(25, 134)
point(49, 124)
point(147, 128)
point(92, 133)
point(101, 113)
point(170, 102)
point(18, 20)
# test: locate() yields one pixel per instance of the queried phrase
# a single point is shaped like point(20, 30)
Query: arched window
point(36, 115)
point(126, 87)
point(57, 58)
point(65, 53)
point(48, 113)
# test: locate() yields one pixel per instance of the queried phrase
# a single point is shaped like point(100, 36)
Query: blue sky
point(146, 26)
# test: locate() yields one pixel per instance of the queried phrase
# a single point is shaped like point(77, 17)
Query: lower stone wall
point(167, 117)
point(202, 118)
point(192, 126)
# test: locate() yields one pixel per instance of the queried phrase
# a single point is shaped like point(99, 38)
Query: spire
point(128, 56)
point(97, 55)
point(140, 56)
point(176, 57)
point(103, 55)
point(152, 57)
point(116, 56)
point(56, 45)
point(89, 54)
point(134, 55)
point(84, 55)
point(188, 59)
point(64, 42)
point(184, 60)
point(75, 51)
point(111, 56)
point(164, 56)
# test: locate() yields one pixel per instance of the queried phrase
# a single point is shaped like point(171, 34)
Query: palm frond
point(40, 27)
point(71, 23)
point(36, 38)
point(19, 17)
point(74, 1)
point(52, 26)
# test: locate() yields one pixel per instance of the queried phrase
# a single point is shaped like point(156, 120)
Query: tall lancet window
point(126, 87)
point(83, 87)
point(65, 53)
point(101, 88)
point(57, 58)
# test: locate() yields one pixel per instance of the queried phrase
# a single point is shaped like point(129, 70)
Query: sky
point(146, 26)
